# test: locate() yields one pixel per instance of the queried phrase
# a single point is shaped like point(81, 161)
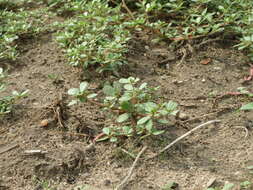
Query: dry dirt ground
point(221, 152)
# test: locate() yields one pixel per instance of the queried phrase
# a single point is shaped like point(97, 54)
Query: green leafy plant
point(18, 24)
point(245, 184)
point(199, 19)
point(94, 38)
point(248, 106)
point(6, 102)
point(133, 109)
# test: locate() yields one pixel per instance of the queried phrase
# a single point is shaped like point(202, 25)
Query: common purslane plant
point(14, 25)
point(185, 20)
point(94, 38)
point(133, 109)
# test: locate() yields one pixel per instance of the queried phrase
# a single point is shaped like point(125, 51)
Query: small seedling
point(245, 184)
point(133, 109)
point(6, 102)
point(248, 106)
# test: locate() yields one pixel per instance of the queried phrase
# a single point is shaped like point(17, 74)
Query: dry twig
point(183, 136)
point(127, 9)
point(125, 180)
point(245, 129)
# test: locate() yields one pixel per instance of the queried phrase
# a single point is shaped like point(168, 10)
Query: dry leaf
point(205, 61)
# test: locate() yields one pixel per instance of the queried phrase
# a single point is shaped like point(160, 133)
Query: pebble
point(182, 116)
point(217, 68)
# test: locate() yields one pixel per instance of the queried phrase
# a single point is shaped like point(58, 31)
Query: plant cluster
point(93, 38)
point(18, 24)
point(133, 109)
point(179, 20)
point(67, 6)
point(6, 102)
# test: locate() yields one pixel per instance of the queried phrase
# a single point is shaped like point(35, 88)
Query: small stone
point(44, 123)
point(182, 116)
point(177, 82)
point(217, 68)
point(203, 80)
point(168, 66)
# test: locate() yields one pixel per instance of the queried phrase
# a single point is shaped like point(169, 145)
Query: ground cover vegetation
point(96, 37)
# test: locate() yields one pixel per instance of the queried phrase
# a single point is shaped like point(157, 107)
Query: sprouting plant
point(248, 106)
point(133, 109)
point(6, 102)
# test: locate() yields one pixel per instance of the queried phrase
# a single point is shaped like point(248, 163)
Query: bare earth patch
point(220, 152)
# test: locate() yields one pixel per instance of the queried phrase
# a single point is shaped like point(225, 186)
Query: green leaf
point(149, 125)
point(174, 112)
point(127, 106)
point(150, 106)
point(25, 93)
point(143, 85)
point(247, 106)
point(158, 132)
point(91, 96)
point(163, 121)
point(15, 93)
point(143, 120)
point(128, 87)
point(171, 106)
point(73, 91)
point(250, 167)
point(245, 184)
point(109, 90)
point(83, 86)
point(124, 81)
point(127, 130)
point(73, 102)
point(123, 117)
point(125, 97)
point(117, 87)
point(106, 130)
point(228, 186)
point(113, 139)
point(103, 138)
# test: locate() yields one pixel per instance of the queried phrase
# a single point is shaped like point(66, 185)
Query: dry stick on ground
point(125, 180)
point(207, 41)
point(245, 129)
point(127, 9)
point(184, 51)
point(183, 136)
point(208, 114)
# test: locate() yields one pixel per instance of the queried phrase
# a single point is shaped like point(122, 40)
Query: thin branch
point(207, 41)
point(245, 129)
point(125, 180)
point(127, 9)
point(183, 136)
